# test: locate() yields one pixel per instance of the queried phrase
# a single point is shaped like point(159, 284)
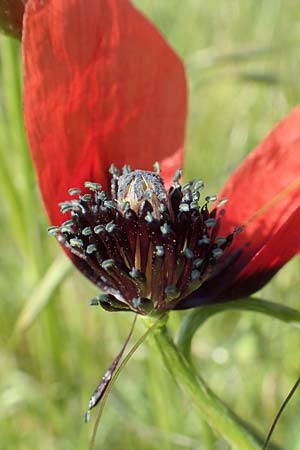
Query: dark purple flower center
point(145, 247)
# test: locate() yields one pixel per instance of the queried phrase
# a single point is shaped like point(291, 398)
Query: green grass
point(243, 65)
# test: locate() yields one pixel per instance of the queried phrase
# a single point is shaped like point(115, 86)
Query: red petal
point(101, 86)
point(279, 249)
point(267, 181)
point(230, 284)
point(265, 187)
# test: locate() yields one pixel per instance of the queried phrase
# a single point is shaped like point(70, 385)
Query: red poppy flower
point(101, 87)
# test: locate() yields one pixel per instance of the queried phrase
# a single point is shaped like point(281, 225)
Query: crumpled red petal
point(265, 189)
point(100, 86)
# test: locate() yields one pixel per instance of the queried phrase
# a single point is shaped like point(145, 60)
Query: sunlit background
point(243, 65)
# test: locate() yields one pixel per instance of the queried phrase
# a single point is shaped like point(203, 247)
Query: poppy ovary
point(146, 247)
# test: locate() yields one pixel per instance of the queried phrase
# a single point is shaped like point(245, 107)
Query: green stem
point(214, 411)
point(151, 327)
point(198, 316)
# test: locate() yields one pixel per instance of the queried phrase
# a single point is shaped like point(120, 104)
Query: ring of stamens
point(146, 247)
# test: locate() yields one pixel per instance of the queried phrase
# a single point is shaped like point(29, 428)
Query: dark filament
point(107, 377)
point(275, 421)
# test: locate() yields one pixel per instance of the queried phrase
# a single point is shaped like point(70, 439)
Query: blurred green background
point(243, 64)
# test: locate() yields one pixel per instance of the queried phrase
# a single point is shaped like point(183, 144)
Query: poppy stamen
point(148, 247)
